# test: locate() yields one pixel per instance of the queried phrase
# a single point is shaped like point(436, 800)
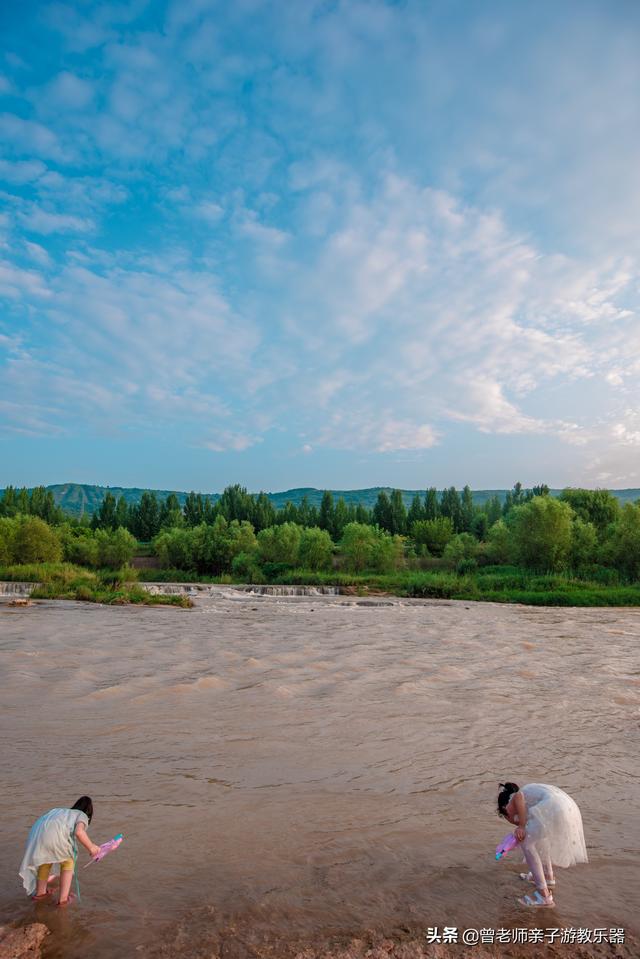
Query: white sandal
point(528, 877)
point(537, 900)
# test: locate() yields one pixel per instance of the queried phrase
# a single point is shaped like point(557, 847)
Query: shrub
point(115, 547)
point(316, 549)
point(34, 541)
point(280, 544)
point(541, 531)
point(432, 535)
point(245, 567)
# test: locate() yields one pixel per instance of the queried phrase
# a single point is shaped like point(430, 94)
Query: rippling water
point(314, 764)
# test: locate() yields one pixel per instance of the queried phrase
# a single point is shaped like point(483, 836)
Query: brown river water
point(286, 768)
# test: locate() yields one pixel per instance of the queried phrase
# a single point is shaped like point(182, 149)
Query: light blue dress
point(52, 838)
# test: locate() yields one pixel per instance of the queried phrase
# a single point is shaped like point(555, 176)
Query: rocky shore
point(22, 942)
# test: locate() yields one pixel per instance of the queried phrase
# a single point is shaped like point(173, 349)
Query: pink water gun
point(508, 843)
point(105, 848)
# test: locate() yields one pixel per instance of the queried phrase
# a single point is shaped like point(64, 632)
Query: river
point(310, 765)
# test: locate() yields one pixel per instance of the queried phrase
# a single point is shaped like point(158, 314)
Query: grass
point(496, 584)
point(66, 581)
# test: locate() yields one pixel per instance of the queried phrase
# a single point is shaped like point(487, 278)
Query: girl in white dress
point(52, 842)
point(549, 829)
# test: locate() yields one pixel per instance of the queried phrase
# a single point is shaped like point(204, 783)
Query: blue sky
point(334, 244)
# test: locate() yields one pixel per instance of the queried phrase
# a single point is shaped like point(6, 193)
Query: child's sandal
point(537, 900)
point(528, 877)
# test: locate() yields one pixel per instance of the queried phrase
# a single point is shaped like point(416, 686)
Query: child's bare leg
point(43, 878)
point(65, 884)
point(535, 865)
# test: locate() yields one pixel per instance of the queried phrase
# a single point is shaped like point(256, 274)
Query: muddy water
point(309, 765)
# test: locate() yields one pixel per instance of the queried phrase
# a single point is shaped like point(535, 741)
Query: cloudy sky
point(343, 243)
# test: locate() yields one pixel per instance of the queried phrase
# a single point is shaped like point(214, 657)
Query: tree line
point(585, 531)
point(151, 514)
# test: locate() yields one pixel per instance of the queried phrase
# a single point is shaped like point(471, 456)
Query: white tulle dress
point(554, 825)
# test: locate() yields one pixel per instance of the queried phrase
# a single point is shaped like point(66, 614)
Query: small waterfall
point(236, 592)
point(290, 590)
point(16, 589)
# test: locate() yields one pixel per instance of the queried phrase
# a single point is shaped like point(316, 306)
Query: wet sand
point(293, 768)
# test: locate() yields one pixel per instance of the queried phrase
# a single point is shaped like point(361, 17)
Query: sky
point(330, 244)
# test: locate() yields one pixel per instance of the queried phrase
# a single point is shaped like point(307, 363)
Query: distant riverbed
point(299, 766)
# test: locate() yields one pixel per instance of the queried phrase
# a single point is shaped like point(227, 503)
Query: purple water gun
point(105, 848)
point(508, 843)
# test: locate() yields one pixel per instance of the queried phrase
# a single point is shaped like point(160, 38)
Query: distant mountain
point(79, 498)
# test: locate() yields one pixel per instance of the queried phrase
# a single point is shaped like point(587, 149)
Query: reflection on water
point(314, 764)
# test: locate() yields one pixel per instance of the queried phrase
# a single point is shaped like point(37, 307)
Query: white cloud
point(31, 137)
point(69, 92)
point(209, 211)
point(37, 253)
point(42, 221)
point(21, 171)
point(223, 441)
point(16, 282)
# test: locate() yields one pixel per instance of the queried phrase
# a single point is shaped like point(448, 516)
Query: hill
point(79, 498)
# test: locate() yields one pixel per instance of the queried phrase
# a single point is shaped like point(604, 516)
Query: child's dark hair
point(85, 805)
point(506, 792)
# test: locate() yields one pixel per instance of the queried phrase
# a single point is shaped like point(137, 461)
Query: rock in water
point(23, 942)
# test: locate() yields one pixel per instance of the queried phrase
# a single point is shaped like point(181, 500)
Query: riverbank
point(491, 584)
point(66, 581)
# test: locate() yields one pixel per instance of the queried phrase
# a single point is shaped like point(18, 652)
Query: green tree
point(115, 547)
point(460, 547)
point(382, 512)
point(147, 517)
point(493, 509)
point(316, 549)
point(171, 515)
point(235, 503)
point(466, 510)
point(7, 529)
point(79, 546)
point(500, 547)
point(541, 532)
point(193, 509)
point(362, 515)
point(326, 519)
point(596, 506)
point(42, 504)
point(356, 546)
point(515, 497)
point(212, 547)
point(621, 548)
point(432, 535)
point(9, 502)
point(280, 544)
point(584, 543)
point(416, 511)
point(340, 519)
point(105, 516)
point(34, 541)
point(263, 514)
point(175, 548)
point(398, 514)
point(122, 514)
point(288, 514)
point(431, 504)
point(451, 507)
point(480, 525)
point(387, 554)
